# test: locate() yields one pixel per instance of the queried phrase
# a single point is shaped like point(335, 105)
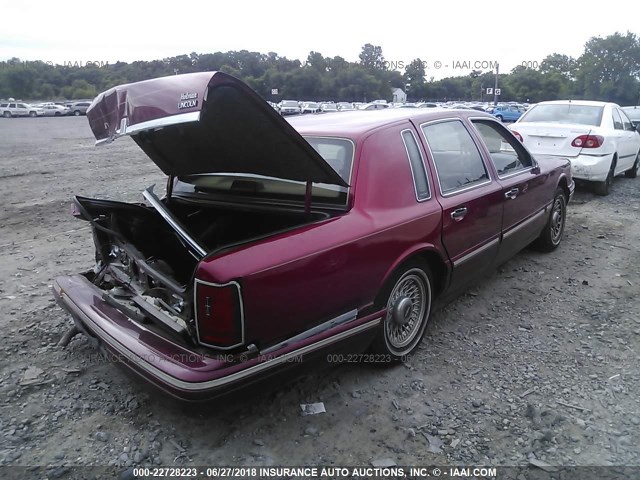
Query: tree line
point(608, 69)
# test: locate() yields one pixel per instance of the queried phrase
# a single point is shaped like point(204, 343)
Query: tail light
point(518, 136)
point(219, 315)
point(588, 141)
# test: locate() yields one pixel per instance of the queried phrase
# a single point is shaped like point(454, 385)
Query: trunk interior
point(161, 248)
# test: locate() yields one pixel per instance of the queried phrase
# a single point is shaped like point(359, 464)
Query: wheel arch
point(428, 253)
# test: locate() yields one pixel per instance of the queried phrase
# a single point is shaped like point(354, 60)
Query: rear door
point(628, 141)
point(524, 194)
point(471, 199)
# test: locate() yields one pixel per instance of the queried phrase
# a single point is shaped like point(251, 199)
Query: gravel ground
point(535, 364)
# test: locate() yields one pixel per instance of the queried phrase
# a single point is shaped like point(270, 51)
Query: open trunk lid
point(207, 122)
point(551, 138)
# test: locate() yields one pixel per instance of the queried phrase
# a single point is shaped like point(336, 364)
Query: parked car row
point(289, 238)
point(11, 108)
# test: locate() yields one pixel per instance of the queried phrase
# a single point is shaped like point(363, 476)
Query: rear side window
point(617, 121)
point(456, 156)
point(507, 154)
point(417, 166)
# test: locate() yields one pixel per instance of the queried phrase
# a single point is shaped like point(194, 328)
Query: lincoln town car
point(280, 239)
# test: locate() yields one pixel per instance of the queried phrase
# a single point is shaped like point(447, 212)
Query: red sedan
point(278, 240)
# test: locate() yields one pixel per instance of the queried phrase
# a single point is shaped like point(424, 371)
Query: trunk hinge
point(170, 187)
point(307, 198)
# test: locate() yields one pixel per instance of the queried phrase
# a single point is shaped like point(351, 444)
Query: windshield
point(337, 152)
point(564, 113)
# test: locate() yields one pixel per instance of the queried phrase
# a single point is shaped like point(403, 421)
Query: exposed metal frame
point(173, 221)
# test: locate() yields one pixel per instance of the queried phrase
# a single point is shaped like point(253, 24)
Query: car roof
point(593, 103)
point(357, 123)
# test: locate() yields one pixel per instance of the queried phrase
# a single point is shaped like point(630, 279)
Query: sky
point(450, 37)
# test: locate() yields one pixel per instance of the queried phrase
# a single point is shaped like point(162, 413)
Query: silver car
point(52, 110)
point(78, 108)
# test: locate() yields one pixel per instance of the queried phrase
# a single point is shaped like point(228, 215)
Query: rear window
point(632, 113)
point(565, 113)
point(337, 152)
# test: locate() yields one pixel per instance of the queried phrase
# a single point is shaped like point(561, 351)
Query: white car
point(597, 137)
point(53, 110)
point(18, 109)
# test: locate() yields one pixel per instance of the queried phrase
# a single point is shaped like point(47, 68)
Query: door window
point(507, 154)
point(458, 162)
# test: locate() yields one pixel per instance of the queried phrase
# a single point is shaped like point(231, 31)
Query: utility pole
point(495, 86)
point(481, 91)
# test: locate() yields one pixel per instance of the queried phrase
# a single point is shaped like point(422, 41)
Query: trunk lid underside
point(207, 122)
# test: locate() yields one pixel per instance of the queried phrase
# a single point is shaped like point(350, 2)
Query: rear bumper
point(590, 167)
point(182, 372)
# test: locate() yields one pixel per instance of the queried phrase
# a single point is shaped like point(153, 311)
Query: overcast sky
point(449, 32)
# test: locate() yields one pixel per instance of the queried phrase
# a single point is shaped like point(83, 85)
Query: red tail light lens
point(588, 141)
point(219, 316)
point(518, 136)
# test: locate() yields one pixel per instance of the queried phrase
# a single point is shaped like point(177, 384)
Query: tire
point(77, 113)
point(57, 114)
point(408, 296)
point(603, 188)
point(551, 234)
point(32, 114)
point(6, 114)
point(633, 171)
point(499, 117)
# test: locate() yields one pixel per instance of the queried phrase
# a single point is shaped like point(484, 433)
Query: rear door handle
point(459, 213)
point(512, 194)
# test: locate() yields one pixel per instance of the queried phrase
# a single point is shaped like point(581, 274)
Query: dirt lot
point(539, 362)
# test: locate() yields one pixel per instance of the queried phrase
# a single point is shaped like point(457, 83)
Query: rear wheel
point(551, 234)
point(407, 297)
point(32, 114)
point(57, 114)
point(603, 188)
point(633, 171)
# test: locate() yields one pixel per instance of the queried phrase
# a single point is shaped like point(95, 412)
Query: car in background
point(53, 110)
point(598, 138)
point(633, 113)
point(328, 107)
point(506, 113)
point(345, 107)
point(280, 240)
point(19, 109)
point(310, 107)
point(78, 108)
point(427, 105)
point(373, 106)
point(289, 107)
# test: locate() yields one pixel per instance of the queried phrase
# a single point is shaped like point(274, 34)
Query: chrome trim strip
point(413, 175)
point(334, 322)
point(171, 220)
point(162, 122)
point(470, 255)
point(526, 222)
point(513, 174)
point(195, 312)
point(462, 188)
point(151, 124)
point(197, 386)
